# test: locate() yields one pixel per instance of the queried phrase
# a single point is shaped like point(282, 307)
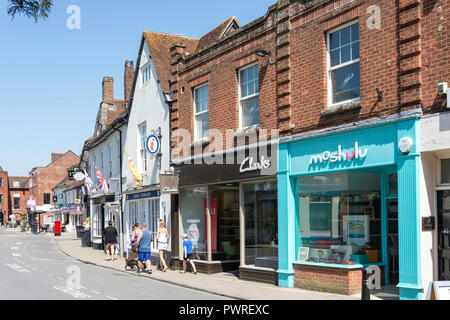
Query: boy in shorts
point(187, 254)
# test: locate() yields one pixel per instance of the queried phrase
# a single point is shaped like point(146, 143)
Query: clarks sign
point(250, 165)
point(339, 156)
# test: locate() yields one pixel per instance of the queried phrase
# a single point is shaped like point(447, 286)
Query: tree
point(37, 9)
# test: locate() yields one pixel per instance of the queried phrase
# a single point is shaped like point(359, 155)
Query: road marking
point(73, 292)
point(17, 268)
point(96, 292)
point(19, 242)
point(14, 248)
point(59, 278)
point(16, 255)
point(112, 298)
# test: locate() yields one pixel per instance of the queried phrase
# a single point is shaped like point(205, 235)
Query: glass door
point(444, 234)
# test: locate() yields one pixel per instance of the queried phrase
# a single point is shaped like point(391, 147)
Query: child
point(187, 254)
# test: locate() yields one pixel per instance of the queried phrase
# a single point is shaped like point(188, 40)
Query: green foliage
point(36, 9)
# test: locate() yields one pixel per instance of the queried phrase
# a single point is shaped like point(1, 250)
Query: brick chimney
point(128, 79)
point(56, 156)
point(108, 89)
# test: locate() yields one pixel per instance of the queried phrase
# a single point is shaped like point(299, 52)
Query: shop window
point(340, 218)
point(445, 171)
point(153, 211)
point(132, 213)
point(343, 71)
point(261, 224)
point(96, 227)
point(225, 232)
point(249, 96)
point(193, 211)
point(393, 184)
point(201, 112)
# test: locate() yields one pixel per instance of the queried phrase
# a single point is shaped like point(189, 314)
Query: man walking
point(110, 235)
point(144, 249)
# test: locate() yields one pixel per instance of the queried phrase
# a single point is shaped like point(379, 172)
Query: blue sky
point(50, 76)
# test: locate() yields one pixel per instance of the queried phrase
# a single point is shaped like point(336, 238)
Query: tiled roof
point(159, 45)
point(216, 34)
point(23, 182)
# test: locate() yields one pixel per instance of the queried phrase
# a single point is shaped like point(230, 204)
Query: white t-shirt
point(13, 218)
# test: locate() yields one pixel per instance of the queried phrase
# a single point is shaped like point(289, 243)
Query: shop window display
point(340, 218)
point(261, 224)
point(193, 219)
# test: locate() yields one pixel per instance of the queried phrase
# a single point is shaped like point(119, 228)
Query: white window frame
point(143, 159)
point(110, 164)
point(241, 99)
point(96, 227)
point(197, 114)
point(153, 219)
point(331, 69)
point(146, 74)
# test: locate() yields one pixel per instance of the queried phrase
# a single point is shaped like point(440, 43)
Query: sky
point(50, 75)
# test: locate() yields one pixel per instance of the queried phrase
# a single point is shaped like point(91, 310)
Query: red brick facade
point(18, 188)
point(4, 204)
point(405, 58)
point(335, 280)
point(44, 179)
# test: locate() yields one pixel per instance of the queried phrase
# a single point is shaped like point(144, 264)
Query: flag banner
point(101, 182)
point(89, 183)
point(136, 175)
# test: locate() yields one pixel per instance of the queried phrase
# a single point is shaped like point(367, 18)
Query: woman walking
point(163, 243)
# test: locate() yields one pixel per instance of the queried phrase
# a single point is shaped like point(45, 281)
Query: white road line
point(59, 278)
point(19, 242)
point(18, 268)
point(16, 255)
point(96, 292)
point(73, 292)
point(14, 248)
point(112, 298)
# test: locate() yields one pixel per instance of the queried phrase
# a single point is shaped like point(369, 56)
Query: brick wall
point(335, 280)
point(47, 178)
point(4, 191)
point(24, 197)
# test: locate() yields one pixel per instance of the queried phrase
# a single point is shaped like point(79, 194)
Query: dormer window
point(16, 184)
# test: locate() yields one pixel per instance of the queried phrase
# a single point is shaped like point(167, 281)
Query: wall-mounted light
point(380, 95)
point(264, 53)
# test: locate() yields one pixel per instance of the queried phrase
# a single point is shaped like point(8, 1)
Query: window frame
point(143, 159)
point(16, 206)
point(330, 69)
point(241, 99)
point(49, 198)
point(197, 114)
point(146, 73)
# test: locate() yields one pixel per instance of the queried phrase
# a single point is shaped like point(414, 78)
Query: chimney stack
point(128, 79)
point(56, 156)
point(108, 89)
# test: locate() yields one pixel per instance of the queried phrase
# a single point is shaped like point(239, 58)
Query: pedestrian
point(187, 254)
point(144, 249)
point(133, 239)
point(110, 234)
point(163, 243)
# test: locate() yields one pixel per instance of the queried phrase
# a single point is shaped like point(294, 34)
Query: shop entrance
point(444, 235)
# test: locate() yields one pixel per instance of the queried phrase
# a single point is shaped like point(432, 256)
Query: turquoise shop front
point(347, 199)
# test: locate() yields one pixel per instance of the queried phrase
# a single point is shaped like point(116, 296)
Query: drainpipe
point(121, 239)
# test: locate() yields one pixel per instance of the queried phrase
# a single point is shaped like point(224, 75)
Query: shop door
point(444, 235)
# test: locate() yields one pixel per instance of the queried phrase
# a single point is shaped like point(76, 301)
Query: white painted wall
point(435, 132)
point(149, 106)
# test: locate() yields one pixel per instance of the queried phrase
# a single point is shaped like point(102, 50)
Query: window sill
point(244, 131)
point(330, 265)
point(344, 107)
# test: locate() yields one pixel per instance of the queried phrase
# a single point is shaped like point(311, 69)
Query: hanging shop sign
point(169, 183)
point(339, 156)
point(79, 176)
point(143, 195)
point(249, 164)
point(153, 145)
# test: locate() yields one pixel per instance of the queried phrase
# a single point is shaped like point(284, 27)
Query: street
point(32, 267)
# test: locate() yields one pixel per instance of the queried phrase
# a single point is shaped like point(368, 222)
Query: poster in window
point(213, 210)
point(356, 229)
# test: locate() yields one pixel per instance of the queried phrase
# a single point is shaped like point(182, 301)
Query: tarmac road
point(32, 267)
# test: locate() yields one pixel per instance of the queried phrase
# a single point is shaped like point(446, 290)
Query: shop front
point(348, 199)
point(229, 212)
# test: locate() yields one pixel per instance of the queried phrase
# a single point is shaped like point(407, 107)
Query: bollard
point(365, 291)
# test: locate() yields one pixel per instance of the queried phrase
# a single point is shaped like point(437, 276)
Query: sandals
point(167, 268)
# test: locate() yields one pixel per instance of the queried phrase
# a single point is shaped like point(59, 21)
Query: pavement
point(225, 285)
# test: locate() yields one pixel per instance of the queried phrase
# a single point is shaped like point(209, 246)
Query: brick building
point(4, 198)
point(346, 83)
point(44, 179)
point(19, 194)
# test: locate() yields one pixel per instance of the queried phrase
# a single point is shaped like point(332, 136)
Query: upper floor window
point(145, 74)
point(201, 112)
point(110, 166)
point(142, 141)
point(1, 182)
point(16, 202)
point(1, 198)
point(46, 198)
point(249, 96)
point(16, 184)
point(343, 64)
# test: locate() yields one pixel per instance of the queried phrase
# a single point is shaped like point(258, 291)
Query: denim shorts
point(144, 256)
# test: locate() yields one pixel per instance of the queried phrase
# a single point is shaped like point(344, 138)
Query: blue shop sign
point(143, 195)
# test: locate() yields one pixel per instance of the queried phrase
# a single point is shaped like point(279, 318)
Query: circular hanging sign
point(153, 145)
point(405, 145)
point(79, 176)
